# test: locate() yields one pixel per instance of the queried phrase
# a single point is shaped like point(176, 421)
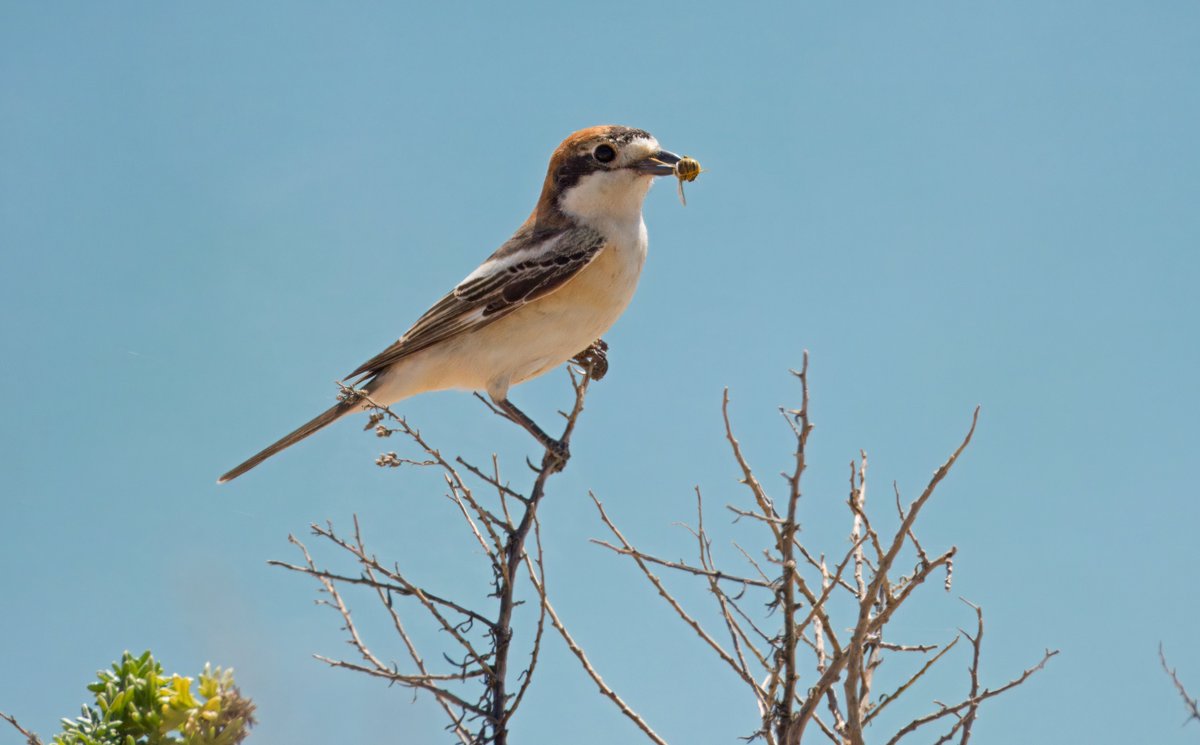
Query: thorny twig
point(1190, 702)
point(973, 701)
point(809, 610)
point(605, 689)
point(30, 738)
point(796, 585)
point(483, 639)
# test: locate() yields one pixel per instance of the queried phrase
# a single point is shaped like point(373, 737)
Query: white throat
point(609, 201)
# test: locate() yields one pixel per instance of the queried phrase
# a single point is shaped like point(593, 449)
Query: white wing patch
point(496, 264)
point(513, 276)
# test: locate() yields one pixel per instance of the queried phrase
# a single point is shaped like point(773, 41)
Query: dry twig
point(1189, 701)
point(30, 738)
point(808, 608)
point(480, 653)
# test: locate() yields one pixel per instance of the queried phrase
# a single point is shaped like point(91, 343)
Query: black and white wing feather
point(528, 266)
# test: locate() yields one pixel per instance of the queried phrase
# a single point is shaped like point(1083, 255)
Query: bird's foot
point(594, 359)
point(557, 452)
point(556, 457)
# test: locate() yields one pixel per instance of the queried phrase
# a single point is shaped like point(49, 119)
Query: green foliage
point(137, 705)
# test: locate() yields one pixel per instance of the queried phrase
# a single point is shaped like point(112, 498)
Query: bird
point(543, 298)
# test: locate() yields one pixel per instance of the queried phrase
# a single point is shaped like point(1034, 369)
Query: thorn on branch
point(30, 737)
point(1189, 702)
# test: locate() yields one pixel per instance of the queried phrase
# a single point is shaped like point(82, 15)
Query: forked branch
point(473, 677)
point(832, 623)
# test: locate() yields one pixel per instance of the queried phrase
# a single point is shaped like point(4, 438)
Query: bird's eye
point(604, 153)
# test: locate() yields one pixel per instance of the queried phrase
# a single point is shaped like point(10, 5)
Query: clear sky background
point(209, 212)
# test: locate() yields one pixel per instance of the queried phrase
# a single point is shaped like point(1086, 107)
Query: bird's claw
point(594, 359)
point(556, 457)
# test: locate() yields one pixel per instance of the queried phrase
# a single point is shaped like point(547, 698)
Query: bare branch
point(662, 591)
point(907, 647)
point(815, 563)
point(753, 563)
point(748, 478)
point(1189, 702)
point(728, 605)
point(914, 582)
point(502, 533)
point(378, 584)
point(973, 701)
point(886, 699)
point(605, 689)
point(817, 602)
point(514, 555)
point(795, 584)
point(540, 589)
point(911, 536)
point(456, 717)
point(377, 667)
point(866, 623)
point(714, 574)
point(30, 738)
point(774, 522)
point(845, 667)
point(786, 728)
point(413, 681)
point(968, 721)
point(493, 481)
point(460, 491)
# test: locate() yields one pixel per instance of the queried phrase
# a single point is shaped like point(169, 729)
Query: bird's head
point(602, 174)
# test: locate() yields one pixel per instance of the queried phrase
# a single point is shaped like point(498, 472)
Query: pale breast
point(553, 329)
point(534, 338)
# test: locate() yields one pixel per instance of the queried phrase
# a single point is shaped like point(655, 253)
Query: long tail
point(331, 415)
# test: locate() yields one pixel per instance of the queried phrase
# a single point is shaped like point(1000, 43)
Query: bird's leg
point(557, 451)
point(594, 359)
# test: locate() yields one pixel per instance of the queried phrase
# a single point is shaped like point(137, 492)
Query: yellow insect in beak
point(687, 169)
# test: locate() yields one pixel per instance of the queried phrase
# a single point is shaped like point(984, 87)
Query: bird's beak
point(661, 163)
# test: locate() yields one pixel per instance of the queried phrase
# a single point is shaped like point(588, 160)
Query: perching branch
point(474, 676)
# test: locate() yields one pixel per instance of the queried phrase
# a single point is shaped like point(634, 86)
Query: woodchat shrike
point(543, 298)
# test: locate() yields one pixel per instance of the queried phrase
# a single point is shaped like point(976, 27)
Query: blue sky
point(209, 212)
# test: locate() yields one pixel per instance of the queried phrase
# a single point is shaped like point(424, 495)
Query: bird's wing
point(530, 265)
